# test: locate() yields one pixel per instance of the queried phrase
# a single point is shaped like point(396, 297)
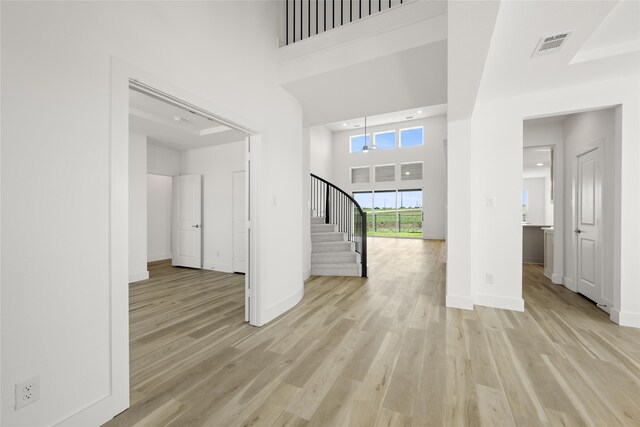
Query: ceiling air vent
point(551, 44)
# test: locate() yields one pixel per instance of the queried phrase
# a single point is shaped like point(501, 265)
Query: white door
point(239, 223)
point(187, 221)
point(588, 207)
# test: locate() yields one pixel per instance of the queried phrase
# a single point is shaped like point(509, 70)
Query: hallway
point(377, 351)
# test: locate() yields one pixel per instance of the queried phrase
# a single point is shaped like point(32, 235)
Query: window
point(384, 140)
point(358, 141)
point(411, 137)
point(386, 173)
point(360, 175)
point(410, 171)
point(392, 213)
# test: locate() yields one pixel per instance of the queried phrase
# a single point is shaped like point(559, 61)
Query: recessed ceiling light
point(344, 124)
point(419, 111)
point(409, 117)
point(539, 164)
point(407, 173)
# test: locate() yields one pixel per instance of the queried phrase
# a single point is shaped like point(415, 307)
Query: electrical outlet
point(489, 278)
point(27, 392)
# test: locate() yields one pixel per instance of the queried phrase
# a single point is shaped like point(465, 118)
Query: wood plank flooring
point(382, 351)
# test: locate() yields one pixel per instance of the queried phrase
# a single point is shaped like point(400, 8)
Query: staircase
point(338, 232)
point(332, 254)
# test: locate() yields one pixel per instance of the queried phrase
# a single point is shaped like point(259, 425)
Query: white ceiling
point(620, 26)
point(510, 70)
point(394, 82)
point(531, 158)
point(159, 121)
point(388, 118)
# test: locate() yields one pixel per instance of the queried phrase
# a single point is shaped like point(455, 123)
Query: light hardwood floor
point(378, 352)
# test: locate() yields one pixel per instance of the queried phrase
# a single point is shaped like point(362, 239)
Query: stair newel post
point(363, 245)
point(326, 205)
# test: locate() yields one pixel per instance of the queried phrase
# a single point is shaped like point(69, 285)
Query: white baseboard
point(495, 301)
point(276, 310)
point(306, 274)
point(568, 283)
point(158, 257)
point(136, 277)
point(533, 260)
point(556, 278)
point(457, 301)
point(224, 268)
point(625, 318)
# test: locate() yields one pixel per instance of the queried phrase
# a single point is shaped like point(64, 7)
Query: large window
point(356, 142)
point(394, 213)
point(384, 140)
point(410, 137)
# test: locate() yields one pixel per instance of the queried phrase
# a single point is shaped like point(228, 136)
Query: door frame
point(597, 146)
point(122, 73)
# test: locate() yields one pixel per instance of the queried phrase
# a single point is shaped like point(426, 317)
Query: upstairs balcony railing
point(306, 18)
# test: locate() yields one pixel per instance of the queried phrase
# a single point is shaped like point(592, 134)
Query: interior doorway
point(577, 246)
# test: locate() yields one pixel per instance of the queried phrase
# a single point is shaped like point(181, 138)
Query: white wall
point(137, 208)
point(495, 238)
point(216, 165)
point(582, 132)
point(56, 246)
point(536, 208)
point(431, 154)
point(321, 152)
point(159, 193)
point(163, 161)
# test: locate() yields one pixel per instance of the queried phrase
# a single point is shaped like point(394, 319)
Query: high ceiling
point(172, 127)
point(511, 70)
point(388, 118)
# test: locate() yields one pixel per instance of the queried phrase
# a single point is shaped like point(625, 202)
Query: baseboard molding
point(495, 301)
point(99, 412)
point(461, 302)
point(533, 260)
point(306, 274)
point(276, 310)
point(568, 283)
point(158, 257)
point(224, 268)
point(557, 278)
point(625, 318)
point(136, 277)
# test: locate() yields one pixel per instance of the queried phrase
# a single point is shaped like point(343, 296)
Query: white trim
point(495, 301)
point(569, 284)
point(253, 291)
point(306, 274)
point(276, 310)
point(223, 268)
point(410, 128)
point(556, 278)
point(625, 318)
point(461, 302)
point(136, 277)
point(159, 257)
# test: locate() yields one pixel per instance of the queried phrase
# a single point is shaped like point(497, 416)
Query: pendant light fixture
point(365, 147)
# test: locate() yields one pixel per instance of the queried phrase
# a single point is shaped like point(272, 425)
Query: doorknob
point(578, 231)
point(196, 226)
